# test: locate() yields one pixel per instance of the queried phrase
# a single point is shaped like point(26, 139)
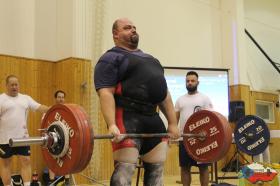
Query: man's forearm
point(107, 103)
point(43, 108)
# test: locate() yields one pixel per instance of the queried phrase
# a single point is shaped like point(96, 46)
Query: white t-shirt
point(13, 116)
point(189, 104)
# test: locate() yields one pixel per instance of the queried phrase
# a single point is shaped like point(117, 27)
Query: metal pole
point(17, 142)
point(147, 135)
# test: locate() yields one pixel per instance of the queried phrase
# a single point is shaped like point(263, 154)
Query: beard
point(134, 39)
point(191, 89)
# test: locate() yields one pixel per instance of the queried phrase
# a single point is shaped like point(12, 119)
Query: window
point(265, 110)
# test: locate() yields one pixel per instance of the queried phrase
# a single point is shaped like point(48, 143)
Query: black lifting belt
point(130, 104)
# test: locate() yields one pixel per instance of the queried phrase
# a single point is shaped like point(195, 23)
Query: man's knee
point(186, 170)
point(203, 169)
point(25, 160)
point(6, 163)
point(153, 175)
point(122, 174)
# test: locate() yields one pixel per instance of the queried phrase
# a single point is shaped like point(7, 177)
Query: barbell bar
point(44, 140)
point(2, 152)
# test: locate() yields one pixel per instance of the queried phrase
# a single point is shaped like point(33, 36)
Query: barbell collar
point(19, 142)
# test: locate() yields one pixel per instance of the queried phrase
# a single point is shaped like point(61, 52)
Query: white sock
point(27, 183)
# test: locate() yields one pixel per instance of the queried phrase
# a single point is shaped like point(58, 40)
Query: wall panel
point(36, 79)
point(274, 142)
point(171, 166)
point(243, 92)
point(73, 75)
point(40, 79)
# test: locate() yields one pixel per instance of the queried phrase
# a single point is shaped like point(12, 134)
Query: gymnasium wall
point(37, 80)
point(198, 33)
point(40, 79)
point(243, 92)
point(208, 33)
point(262, 22)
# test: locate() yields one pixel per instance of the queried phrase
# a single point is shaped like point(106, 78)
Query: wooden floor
point(171, 181)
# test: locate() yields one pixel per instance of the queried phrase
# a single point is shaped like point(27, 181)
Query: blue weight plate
point(251, 135)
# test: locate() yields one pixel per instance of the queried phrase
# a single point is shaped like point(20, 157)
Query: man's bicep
point(106, 91)
point(33, 105)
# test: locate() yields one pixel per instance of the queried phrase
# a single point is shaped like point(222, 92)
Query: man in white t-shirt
point(185, 106)
point(14, 109)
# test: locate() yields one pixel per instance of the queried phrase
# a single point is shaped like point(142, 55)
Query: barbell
point(2, 152)
point(67, 138)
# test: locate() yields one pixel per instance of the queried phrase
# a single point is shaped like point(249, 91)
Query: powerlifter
point(130, 85)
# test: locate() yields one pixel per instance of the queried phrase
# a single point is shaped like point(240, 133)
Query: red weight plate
point(68, 163)
point(87, 149)
point(218, 136)
point(75, 109)
point(89, 141)
point(89, 145)
point(228, 134)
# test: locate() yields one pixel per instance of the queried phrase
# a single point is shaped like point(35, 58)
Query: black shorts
point(185, 160)
point(10, 151)
point(132, 122)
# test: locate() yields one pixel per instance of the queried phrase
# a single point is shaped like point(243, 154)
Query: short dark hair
point(59, 91)
point(9, 77)
point(192, 73)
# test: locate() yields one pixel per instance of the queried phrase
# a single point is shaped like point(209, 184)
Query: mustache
point(134, 36)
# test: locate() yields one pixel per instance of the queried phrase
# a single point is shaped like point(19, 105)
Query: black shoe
point(179, 182)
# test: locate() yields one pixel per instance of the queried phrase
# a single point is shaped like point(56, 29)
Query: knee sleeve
point(153, 175)
point(122, 174)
